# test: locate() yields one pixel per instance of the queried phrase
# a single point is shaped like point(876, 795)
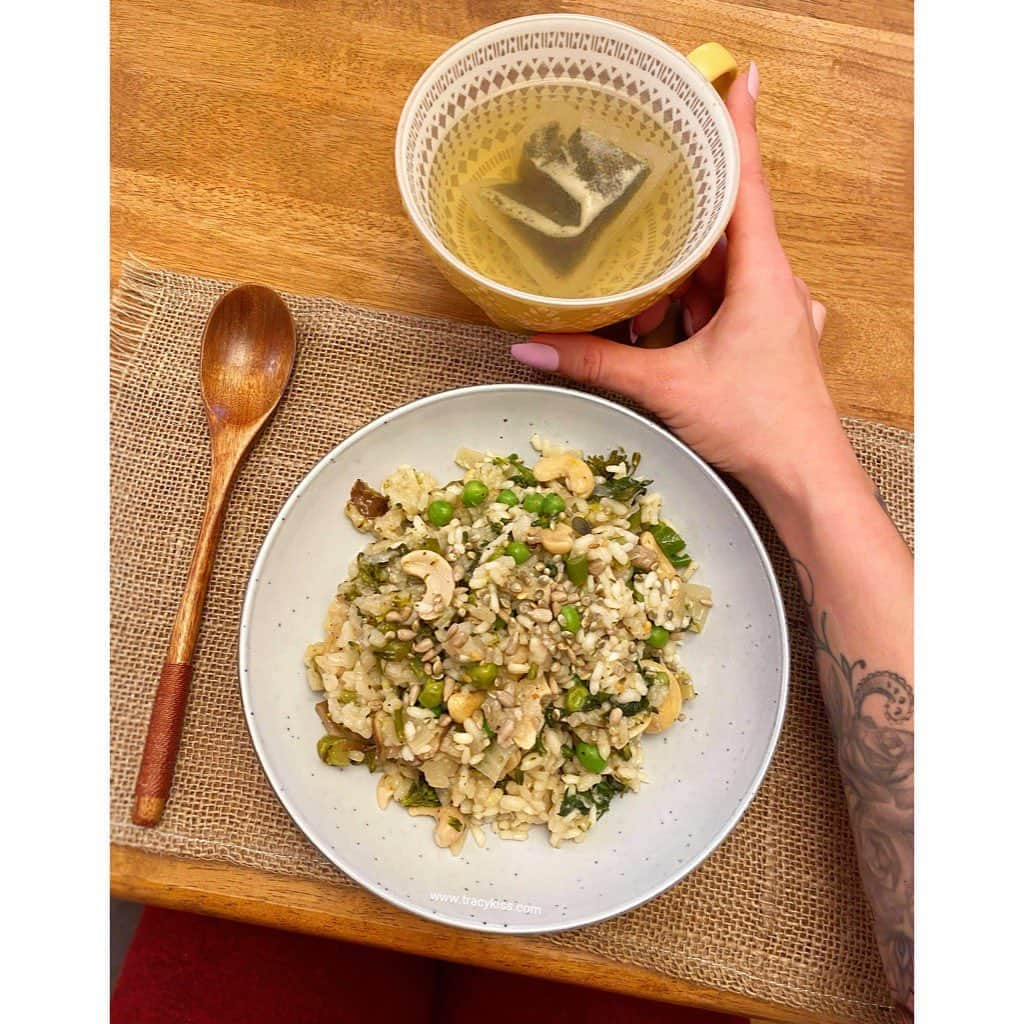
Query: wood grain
point(253, 141)
point(244, 894)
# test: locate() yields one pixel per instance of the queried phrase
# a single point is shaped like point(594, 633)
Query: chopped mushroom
point(643, 558)
point(368, 502)
point(666, 570)
point(331, 727)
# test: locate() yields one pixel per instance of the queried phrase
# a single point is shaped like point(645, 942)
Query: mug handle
point(716, 64)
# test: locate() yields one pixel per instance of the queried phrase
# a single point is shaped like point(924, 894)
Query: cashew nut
point(558, 540)
point(576, 473)
point(643, 558)
point(451, 829)
point(666, 570)
point(464, 705)
point(436, 573)
point(670, 707)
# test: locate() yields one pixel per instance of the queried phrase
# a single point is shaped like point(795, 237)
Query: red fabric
point(186, 969)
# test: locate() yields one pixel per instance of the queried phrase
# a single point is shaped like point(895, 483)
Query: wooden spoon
point(248, 351)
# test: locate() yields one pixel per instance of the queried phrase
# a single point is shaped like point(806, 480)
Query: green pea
point(395, 650)
point(482, 676)
point(570, 618)
point(658, 638)
point(533, 503)
point(576, 697)
point(552, 505)
point(440, 512)
point(576, 569)
point(588, 756)
point(431, 693)
point(518, 551)
point(507, 497)
point(473, 493)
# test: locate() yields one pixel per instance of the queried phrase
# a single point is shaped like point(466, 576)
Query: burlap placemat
point(775, 913)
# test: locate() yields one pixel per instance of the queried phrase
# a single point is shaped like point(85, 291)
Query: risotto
point(504, 642)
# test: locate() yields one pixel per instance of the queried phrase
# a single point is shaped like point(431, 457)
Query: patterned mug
point(677, 92)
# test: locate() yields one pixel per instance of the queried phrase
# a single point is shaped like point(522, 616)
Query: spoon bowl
point(247, 356)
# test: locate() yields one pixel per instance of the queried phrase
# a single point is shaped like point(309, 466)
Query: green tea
point(561, 190)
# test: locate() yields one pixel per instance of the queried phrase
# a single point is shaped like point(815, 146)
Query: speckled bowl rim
point(337, 859)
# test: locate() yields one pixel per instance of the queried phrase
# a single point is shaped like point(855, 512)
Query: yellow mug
point(679, 92)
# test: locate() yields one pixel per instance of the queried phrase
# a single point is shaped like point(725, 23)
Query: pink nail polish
point(753, 81)
point(540, 357)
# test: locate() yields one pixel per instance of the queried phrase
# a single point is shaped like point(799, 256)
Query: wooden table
point(254, 139)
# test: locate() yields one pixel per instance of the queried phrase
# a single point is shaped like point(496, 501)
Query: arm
point(857, 578)
point(747, 391)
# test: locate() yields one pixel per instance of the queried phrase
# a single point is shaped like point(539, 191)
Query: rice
point(504, 640)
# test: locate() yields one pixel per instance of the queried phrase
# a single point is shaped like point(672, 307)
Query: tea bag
point(570, 189)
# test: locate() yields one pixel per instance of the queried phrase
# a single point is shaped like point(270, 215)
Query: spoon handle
point(156, 770)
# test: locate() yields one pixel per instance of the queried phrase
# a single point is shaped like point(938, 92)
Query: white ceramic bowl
point(704, 770)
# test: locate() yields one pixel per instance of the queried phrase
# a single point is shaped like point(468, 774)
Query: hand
point(746, 390)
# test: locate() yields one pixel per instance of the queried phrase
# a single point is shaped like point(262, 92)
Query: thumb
point(753, 242)
point(595, 362)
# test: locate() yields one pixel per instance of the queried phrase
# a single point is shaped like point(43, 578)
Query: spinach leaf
point(673, 546)
point(421, 795)
point(634, 707)
point(517, 472)
point(595, 700)
point(621, 488)
point(599, 797)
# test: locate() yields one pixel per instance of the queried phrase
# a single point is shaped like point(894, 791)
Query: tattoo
point(871, 714)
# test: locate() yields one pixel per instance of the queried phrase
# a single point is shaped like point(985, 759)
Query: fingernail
point(687, 322)
point(540, 357)
point(753, 81)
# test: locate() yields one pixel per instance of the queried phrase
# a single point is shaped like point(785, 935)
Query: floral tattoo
point(872, 715)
